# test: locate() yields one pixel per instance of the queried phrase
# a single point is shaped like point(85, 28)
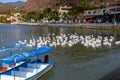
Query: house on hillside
point(17, 15)
point(64, 9)
point(16, 18)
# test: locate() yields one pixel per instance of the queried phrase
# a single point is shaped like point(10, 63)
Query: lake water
point(71, 63)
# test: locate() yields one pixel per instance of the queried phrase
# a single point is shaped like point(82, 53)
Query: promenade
point(87, 25)
point(110, 25)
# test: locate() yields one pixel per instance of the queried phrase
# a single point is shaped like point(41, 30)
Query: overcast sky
point(4, 1)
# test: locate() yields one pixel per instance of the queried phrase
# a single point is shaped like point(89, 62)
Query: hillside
point(5, 8)
point(36, 5)
point(16, 4)
point(39, 5)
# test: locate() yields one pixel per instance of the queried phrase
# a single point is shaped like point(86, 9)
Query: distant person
point(46, 59)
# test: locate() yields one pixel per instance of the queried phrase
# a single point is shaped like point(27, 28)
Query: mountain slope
point(36, 5)
point(5, 8)
point(16, 4)
point(39, 5)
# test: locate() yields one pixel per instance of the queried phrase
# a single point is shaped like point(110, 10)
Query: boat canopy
point(16, 58)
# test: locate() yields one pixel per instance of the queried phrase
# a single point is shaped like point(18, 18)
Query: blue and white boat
point(30, 65)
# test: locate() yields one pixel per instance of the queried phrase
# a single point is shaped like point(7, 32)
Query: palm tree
point(33, 15)
point(73, 13)
point(65, 15)
point(47, 12)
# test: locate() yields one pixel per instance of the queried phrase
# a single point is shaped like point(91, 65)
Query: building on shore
point(15, 18)
point(64, 9)
point(108, 15)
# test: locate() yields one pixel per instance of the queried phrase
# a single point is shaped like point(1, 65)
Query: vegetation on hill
point(48, 13)
point(32, 15)
point(5, 8)
point(40, 5)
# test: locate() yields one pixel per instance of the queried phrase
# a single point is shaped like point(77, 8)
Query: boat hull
point(39, 74)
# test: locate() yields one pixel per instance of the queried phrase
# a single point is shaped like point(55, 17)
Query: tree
point(65, 15)
point(3, 19)
point(83, 5)
point(51, 14)
point(47, 12)
point(54, 15)
point(56, 5)
point(33, 15)
point(73, 12)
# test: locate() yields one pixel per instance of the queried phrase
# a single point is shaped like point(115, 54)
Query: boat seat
point(24, 69)
point(33, 65)
point(3, 69)
point(21, 74)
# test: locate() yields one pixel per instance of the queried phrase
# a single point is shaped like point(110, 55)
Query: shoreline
point(110, 25)
point(100, 26)
point(71, 24)
point(74, 24)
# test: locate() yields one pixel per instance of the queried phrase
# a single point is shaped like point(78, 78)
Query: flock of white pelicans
point(68, 40)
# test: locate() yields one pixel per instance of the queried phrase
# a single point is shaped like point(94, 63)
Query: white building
point(64, 9)
point(17, 15)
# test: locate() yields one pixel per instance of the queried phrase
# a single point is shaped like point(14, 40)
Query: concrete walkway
point(86, 24)
point(89, 25)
